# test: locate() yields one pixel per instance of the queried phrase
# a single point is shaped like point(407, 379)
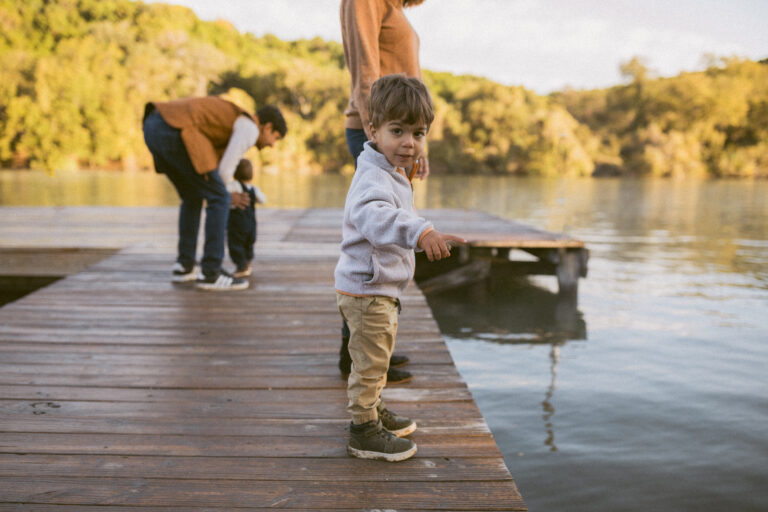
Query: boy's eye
point(419, 133)
point(397, 131)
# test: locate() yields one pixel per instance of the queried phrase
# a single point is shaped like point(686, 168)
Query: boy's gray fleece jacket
point(380, 230)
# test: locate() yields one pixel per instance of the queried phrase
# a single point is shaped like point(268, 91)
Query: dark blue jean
point(171, 158)
point(355, 141)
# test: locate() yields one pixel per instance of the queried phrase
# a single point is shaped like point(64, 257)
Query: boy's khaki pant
point(372, 325)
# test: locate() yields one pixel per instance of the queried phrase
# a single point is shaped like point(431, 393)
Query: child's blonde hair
point(401, 98)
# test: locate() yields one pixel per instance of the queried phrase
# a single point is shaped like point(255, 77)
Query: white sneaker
point(220, 282)
point(181, 274)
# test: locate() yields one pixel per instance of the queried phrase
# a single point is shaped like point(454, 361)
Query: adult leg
point(171, 158)
point(214, 278)
point(355, 142)
point(189, 218)
point(216, 197)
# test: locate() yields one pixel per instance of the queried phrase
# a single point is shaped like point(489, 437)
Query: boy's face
point(402, 144)
point(267, 136)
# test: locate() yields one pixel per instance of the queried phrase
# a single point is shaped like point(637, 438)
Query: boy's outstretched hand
point(437, 245)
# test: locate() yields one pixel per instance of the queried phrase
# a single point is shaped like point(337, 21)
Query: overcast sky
point(543, 45)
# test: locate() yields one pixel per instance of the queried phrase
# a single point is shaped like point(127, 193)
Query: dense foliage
point(77, 73)
point(710, 123)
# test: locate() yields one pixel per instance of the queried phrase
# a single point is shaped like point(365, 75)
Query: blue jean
point(171, 158)
point(355, 140)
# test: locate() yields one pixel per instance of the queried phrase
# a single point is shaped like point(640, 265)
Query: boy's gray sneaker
point(372, 441)
point(398, 425)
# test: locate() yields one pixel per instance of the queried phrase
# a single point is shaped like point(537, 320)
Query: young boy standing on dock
point(241, 226)
point(380, 232)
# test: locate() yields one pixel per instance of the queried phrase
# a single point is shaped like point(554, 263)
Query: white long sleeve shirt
point(244, 135)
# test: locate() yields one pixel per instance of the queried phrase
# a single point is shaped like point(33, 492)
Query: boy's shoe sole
point(388, 457)
point(410, 429)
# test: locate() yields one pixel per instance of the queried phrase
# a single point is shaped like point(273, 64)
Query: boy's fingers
point(455, 239)
point(437, 250)
point(428, 251)
point(445, 250)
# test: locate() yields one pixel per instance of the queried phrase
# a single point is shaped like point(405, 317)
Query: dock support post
point(570, 266)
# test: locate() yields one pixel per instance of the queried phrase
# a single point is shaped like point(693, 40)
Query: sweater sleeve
point(244, 135)
point(361, 22)
point(377, 218)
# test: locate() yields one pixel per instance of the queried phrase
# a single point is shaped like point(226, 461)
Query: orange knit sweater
point(206, 126)
point(378, 40)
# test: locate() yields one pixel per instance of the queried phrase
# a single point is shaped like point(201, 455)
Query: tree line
point(77, 73)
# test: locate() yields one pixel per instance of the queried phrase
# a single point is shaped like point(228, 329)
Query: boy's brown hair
point(401, 98)
point(244, 170)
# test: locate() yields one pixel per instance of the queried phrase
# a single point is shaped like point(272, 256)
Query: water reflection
point(549, 409)
point(513, 311)
point(509, 311)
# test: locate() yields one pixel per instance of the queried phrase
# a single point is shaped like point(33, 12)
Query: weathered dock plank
point(122, 391)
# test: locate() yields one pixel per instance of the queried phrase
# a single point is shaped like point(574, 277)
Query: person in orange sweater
point(197, 143)
point(378, 40)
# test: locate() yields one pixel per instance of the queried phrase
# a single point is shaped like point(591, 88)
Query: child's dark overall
point(241, 231)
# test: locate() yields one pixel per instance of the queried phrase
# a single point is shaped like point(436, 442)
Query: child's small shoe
point(243, 272)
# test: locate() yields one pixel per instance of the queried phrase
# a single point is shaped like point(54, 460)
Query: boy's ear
point(372, 131)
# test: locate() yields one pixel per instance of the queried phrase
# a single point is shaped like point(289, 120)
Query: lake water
point(650, 393)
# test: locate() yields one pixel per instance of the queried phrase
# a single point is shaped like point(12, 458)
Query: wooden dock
point(122, 391)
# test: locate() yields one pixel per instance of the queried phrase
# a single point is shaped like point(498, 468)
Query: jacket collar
point(373, 157)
